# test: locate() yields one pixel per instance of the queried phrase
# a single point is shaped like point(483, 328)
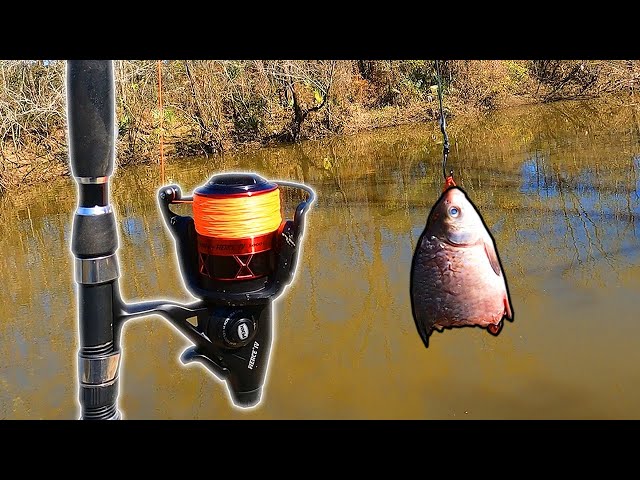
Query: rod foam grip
point(91, 117)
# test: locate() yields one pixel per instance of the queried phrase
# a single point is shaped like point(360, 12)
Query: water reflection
point(558, 185)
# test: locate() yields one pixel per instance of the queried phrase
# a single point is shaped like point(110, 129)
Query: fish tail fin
point(425, 333)
point(495, 328)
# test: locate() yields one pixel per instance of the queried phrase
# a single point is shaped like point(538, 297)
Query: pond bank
point(218, 107)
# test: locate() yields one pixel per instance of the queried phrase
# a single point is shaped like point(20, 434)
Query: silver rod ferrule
point(93, 211)
point(92, 180)
point(92, 271)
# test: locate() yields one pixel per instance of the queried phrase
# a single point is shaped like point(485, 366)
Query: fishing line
point(443, 128)
point(161, 111)
point(235, 216)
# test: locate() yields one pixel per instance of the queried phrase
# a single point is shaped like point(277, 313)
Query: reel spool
point(236, 217)
point(237, 248)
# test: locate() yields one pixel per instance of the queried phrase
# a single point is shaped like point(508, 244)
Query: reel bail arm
point(286, 244)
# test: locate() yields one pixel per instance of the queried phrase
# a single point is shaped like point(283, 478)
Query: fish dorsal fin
point(490, 249)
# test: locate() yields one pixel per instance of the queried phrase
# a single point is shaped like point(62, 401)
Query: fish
point(457, 278)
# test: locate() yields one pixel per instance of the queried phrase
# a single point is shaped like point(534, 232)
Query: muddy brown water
point(559, 186)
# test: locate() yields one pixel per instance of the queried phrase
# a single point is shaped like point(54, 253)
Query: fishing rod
point(233, 263)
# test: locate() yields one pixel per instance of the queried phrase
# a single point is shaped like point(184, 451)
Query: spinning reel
point(236, 255)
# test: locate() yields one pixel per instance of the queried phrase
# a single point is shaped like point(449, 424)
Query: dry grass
point(215, 106)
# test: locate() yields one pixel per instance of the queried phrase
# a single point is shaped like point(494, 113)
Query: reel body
point(236, 280)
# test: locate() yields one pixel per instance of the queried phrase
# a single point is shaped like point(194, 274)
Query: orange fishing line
point(238, 216)
point(161, 135)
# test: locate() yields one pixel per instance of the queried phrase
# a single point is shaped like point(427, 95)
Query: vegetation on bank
point(214, 106)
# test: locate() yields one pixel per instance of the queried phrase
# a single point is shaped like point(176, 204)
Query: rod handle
point(91, 117)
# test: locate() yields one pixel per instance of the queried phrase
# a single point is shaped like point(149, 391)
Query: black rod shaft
point(94, 240)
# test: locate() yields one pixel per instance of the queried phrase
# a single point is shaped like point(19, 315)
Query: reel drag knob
point(237, 331)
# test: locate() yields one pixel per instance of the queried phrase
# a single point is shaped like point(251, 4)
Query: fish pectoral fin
point(490, 250)
point(508, 313)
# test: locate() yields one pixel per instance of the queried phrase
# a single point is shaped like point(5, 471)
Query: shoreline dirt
point(42, 168)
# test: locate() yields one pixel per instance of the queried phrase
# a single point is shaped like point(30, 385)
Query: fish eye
point(454, 211)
